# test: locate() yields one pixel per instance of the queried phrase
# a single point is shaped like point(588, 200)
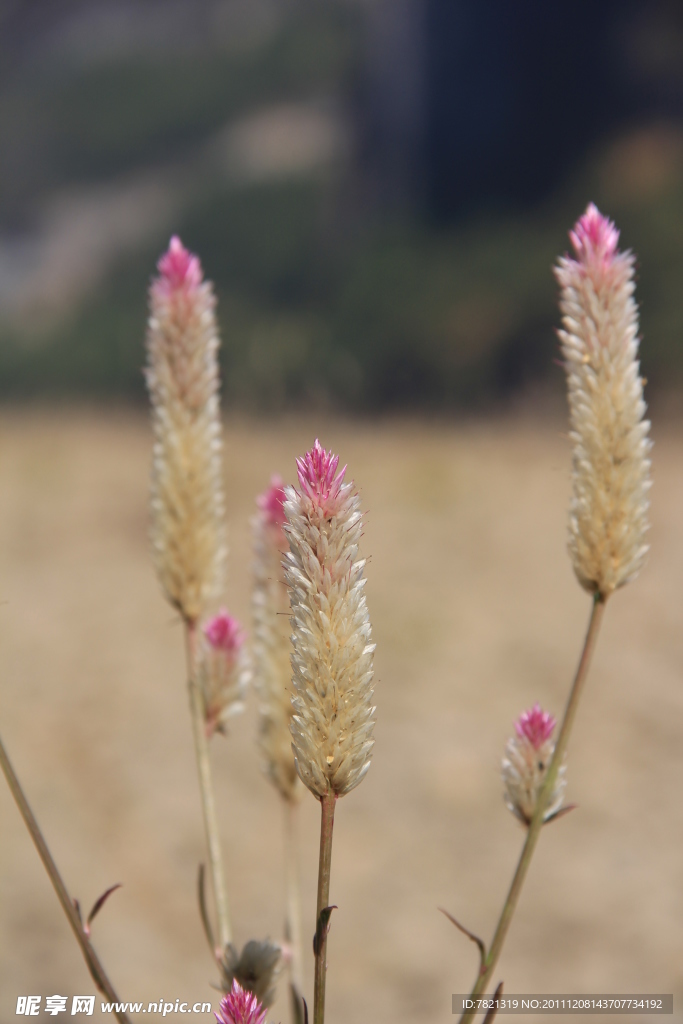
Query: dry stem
point(327, 804)
point(92, 961)
point(293, 921)
point(534, 830)
point(201, 744)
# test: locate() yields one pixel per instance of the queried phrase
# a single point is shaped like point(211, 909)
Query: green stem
point(327, 804)
point(292, 888)
point(534, 829)
point(201, 746)
point(96, 969)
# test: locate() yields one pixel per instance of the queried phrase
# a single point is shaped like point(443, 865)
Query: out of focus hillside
point(378, 190)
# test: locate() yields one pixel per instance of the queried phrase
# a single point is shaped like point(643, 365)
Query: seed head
point(255, 969)
point(610, 464)
point(332, 659)
point(526, 761)
point(271, 645)
point(187, 529)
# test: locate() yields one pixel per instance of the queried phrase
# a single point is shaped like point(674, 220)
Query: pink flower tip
point(240, 1007)
point(316, 472)
point(179, 269)
point(224, 633)
point(536, 725)
point(272, 501)
point(594, 237)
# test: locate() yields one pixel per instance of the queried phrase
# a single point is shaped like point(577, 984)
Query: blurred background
point(379, 190)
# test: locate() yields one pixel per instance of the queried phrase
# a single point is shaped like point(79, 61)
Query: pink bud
point(224, 633)
point(316, 475)
point(536, 725)
point(240, 1007)
point(178, 269)
point(595, 240)
point(272, 501)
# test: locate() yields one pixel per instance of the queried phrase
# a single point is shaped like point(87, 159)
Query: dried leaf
point(322, 927)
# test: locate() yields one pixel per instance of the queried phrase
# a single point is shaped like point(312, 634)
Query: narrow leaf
point(560, 814)
point(470, 935)
point(299, 1013)
point(201, 895)
point(99, 903)
point(491, 1013)
point(322, 928)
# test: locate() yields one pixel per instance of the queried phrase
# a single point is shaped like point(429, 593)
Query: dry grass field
point(476, 615)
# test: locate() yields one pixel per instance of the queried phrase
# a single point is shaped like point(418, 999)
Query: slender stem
point(96, 969)
point(326, 826)
point(201, 746)
point(292, 888)
point(534, 829)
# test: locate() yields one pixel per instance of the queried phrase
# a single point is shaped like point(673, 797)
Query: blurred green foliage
point(318, 304)
point(62, 126)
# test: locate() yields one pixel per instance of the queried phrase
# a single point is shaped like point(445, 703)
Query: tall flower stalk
point(187, 506)
point(271, 673)
point(332, 660)
point(610, 474)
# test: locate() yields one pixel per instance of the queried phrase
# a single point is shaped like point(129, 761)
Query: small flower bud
point(222, 670)
point(526, 761)
point(332, 660)
point(611, 469)
point(240, 1007)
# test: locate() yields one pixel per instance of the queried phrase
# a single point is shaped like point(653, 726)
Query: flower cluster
point(608, 513)
point(239, 1006)
point(188, 533)
point(332, 661)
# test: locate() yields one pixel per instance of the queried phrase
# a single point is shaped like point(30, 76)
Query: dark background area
point(378, 189)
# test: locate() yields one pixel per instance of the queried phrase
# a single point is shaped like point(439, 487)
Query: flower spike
point(611, 468)
point(187, 514)
point(332, 660)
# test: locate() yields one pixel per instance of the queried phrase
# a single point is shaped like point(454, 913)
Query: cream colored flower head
point(187, 509)
point(333, 654)
point(611, 468)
